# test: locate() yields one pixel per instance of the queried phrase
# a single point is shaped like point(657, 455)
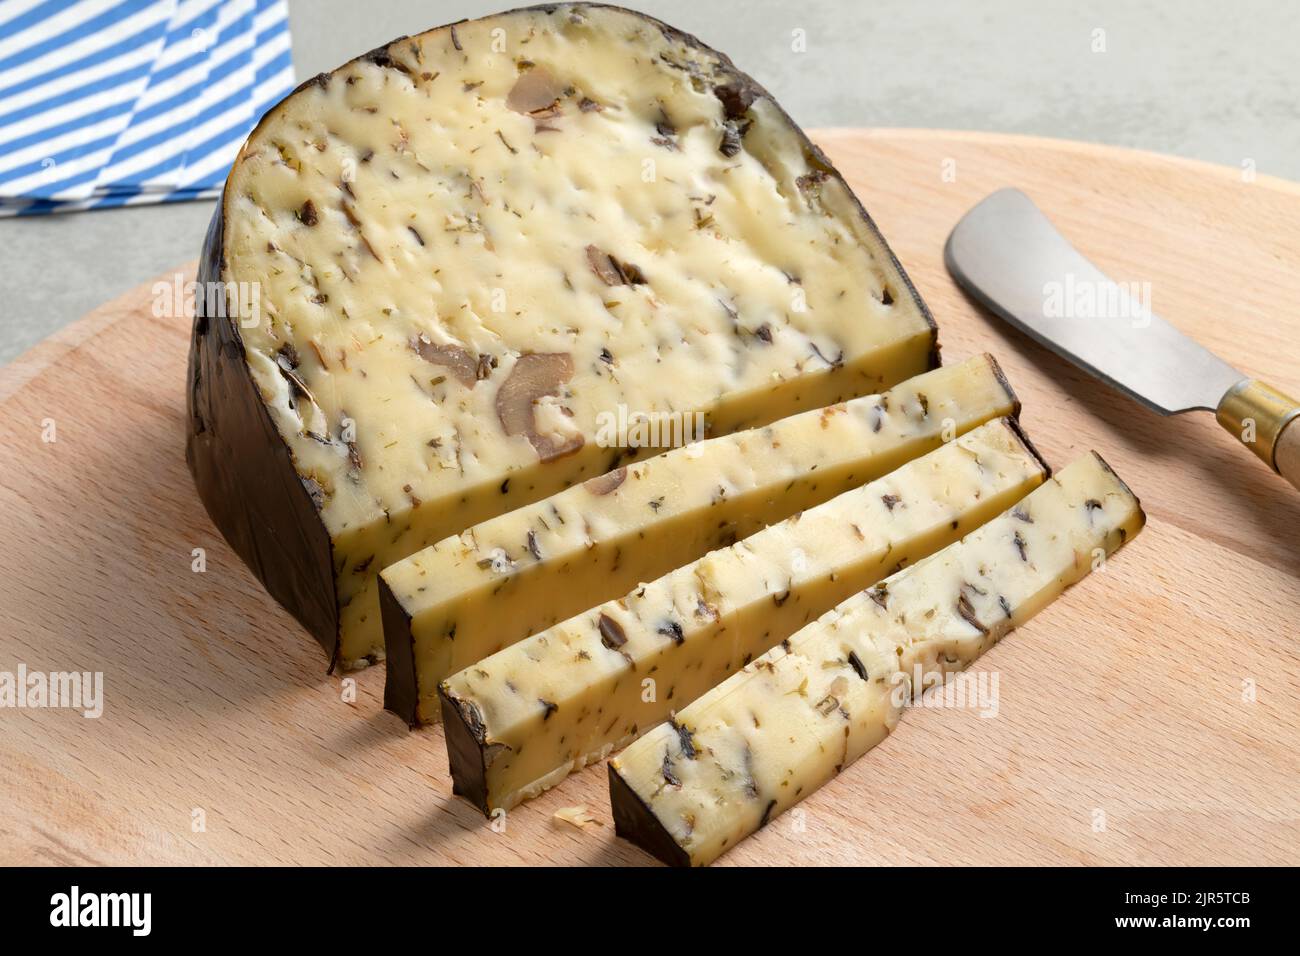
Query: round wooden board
point(1150, 716)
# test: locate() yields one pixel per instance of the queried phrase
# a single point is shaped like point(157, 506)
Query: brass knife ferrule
point(1252, 404)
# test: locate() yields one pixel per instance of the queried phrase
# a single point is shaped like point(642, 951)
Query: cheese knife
point(1010, 258)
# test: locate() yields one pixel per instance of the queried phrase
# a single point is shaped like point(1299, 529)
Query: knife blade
point(1008, 256)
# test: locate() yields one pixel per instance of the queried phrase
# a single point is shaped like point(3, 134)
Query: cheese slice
point(442, 268)
point(793, 719)
point(467, 597)
point(522, 719)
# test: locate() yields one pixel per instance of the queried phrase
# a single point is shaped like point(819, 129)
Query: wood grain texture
point(1287, 453)
point(1151, 716)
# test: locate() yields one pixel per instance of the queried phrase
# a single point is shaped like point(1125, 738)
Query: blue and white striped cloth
point(123, 102)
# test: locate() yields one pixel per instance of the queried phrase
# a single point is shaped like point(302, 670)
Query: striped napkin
point(123, 102)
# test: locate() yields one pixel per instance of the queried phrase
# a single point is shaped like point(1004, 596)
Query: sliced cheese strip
point(467, 597)
point(793, 719)
point(446, 260)
point(520, 720)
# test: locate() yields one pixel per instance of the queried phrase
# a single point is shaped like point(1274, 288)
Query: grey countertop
point(1196, 78)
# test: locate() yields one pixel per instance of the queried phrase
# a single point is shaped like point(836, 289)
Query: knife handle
point(1267, 422)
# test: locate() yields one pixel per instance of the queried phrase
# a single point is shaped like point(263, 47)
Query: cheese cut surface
point(469, 246)
point(793, 719)
point(467, 597)
point(519, 721)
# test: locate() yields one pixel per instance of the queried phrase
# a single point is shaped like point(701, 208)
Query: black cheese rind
point(637, 823)
point(243, 469)
point(466, 749)
point(401, 695)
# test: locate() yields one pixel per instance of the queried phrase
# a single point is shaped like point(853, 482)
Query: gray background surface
point(1200, 78)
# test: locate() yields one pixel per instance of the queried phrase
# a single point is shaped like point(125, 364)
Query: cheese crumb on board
point(519, 721)
point(789, 722)
point(579, 817)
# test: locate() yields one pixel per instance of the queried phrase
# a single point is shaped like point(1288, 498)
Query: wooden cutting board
point(1150, 716)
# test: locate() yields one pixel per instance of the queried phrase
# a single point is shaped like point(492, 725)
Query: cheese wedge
point(522, 719)
point(467, 597)
point(793, 719)
point(438, 271)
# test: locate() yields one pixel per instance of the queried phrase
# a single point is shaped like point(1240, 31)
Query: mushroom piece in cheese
point(467, 597)
point(519, 721)
point(446, 262)
point(793, 719)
